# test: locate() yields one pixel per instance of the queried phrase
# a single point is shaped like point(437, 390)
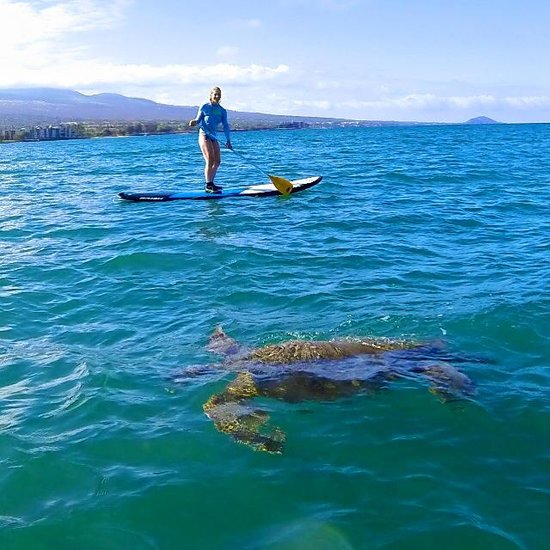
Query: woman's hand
point(228, 145)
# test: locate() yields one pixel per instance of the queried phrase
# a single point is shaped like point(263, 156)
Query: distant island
point(481, 120)
point(38, 114)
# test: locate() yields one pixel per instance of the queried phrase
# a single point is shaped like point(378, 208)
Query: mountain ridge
point(44, 106)
point(54, 105)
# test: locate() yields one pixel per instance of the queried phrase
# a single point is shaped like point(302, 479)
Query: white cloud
point(30, 22)
point(432, 101)
point(301, 105)
point(78, 74)
point(32, 33)
point(528, 101)
point(34, 54)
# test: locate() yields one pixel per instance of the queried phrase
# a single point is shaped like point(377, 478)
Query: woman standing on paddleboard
point(209, 117)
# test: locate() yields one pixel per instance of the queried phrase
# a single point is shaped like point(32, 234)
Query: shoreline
point(113, 129)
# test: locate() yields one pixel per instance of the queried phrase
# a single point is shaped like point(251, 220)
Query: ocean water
point(422, 233)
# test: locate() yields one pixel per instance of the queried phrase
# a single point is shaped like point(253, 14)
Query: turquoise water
point(422, 233)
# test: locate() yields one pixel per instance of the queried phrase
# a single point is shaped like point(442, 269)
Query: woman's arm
point(198, 119)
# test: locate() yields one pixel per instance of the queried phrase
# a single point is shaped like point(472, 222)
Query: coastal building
point(8, 135)
point(51, 133)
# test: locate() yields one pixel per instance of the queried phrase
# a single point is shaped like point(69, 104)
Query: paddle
point(281, 184)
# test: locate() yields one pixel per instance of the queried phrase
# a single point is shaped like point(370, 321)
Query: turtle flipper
point(231, 415)
point(448, 383)
point(195, 371)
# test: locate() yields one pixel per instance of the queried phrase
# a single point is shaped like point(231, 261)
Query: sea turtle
point(299, 370)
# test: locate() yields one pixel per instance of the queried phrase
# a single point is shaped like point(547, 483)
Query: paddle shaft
point(251, 163)
point(282, 184)
point(240, 155)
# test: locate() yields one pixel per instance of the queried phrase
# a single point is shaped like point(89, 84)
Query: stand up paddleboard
point(259, 190)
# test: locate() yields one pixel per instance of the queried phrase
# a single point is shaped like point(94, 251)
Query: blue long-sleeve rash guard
point(209, 117)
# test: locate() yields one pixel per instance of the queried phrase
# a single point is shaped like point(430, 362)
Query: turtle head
point(220, 343)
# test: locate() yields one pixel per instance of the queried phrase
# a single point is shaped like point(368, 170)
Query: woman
point(209, 117)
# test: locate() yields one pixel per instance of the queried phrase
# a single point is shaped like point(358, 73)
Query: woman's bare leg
point(212, 158)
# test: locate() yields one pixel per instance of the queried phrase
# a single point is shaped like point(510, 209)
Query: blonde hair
point(215, 89)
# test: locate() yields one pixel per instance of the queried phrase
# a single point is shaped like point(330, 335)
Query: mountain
point(25, 106)
point(481, 120)
point(21, 107)
point(41, 105)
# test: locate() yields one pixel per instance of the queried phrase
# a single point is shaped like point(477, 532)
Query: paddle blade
point(282, 185)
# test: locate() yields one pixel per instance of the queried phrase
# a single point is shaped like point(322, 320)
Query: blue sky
point(422, 60)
